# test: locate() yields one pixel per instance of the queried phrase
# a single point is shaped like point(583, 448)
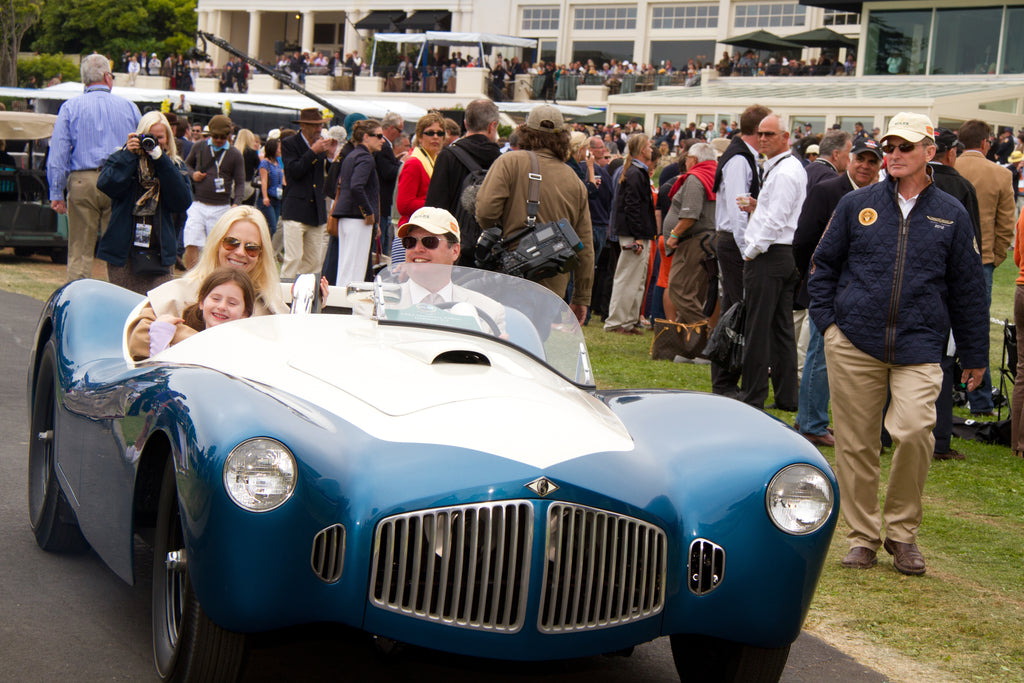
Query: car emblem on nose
point(542, 486)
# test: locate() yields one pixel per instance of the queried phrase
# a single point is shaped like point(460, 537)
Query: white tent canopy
point(448, 38)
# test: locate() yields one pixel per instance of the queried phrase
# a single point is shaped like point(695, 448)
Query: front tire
point(52, 518)
point(713, 660)
point(187, 646)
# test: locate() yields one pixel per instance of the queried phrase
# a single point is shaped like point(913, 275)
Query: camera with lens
point(148, 143)
point(539, 252)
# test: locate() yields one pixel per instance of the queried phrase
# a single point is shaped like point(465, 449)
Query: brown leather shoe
point(860, 558)
point(825, 439)
point(905, 557)
point(951, 454)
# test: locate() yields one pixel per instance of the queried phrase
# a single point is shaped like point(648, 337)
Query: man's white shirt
point(778, 205)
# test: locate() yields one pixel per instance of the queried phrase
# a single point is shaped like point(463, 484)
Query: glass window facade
point(946, 41)
point(898, 41)
point(605, 19)
point(602, 50)
point(1013, 46)
point(540, 18)
point(684, 16)
point(770, 15)
point(966, 51)
point(680, 51)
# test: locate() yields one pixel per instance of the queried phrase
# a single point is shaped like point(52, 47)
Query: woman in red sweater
point(414, 178)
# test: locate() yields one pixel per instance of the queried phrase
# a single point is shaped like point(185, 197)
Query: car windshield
point(517, 311)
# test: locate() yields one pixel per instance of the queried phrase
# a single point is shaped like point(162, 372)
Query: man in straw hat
point(303, 212)
point(897, 265)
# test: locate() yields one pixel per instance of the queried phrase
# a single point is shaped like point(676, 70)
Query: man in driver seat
point(432, 237)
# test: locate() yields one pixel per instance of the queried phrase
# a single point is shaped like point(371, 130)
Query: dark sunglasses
point(428, 241)
point(433, 133)
point(379, 136)
point(905, 147)
point(767, 133)
point(251, 248)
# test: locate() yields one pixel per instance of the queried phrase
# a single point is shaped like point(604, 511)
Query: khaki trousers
point(303, 248)
point(859, 385)
point(628, 286)
point(88, 216)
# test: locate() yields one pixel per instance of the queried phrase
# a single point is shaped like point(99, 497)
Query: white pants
point(354, 237)
point(199, 220)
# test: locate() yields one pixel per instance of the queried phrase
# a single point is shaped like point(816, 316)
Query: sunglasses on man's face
point(433, 133)
point(232, 243)
point(428, 241)
point(767, 133)
point(905, 147)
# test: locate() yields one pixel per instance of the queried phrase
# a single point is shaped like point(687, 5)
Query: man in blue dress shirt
point(88, 128)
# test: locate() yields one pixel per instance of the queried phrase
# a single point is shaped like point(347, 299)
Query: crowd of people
point(805, 230)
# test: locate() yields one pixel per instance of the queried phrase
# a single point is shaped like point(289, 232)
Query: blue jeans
point(812, 415)
point(981, 398)
point(271, 213)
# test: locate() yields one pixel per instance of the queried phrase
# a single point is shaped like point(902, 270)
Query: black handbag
point(147, 262)
point(725, 343)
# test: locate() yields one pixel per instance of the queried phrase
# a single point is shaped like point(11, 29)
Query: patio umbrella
point(822, 37)
point(760, 40)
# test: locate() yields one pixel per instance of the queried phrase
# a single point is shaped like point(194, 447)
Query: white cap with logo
point(911, 127)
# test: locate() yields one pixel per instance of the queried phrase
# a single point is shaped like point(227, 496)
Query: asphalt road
point(70, 618)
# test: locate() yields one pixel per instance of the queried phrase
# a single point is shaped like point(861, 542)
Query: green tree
point(44, 67)
point(16, 18)
point(112, 27)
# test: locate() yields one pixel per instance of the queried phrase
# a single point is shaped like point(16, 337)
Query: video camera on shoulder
point(540, 251)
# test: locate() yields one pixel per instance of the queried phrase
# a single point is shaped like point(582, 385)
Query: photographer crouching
point(503, 195)
point(146, 182)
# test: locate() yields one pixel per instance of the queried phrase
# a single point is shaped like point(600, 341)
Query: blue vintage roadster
point(445, 475)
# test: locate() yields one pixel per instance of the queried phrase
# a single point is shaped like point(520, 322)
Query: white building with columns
point(645, 31)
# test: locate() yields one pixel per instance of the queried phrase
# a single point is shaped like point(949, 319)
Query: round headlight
point(799, 499)
point(259, 474)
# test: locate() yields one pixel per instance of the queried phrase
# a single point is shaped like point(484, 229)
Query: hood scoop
point(461, 357)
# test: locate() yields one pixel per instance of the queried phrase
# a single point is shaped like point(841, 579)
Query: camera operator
point(503, 195)
point(146, 183)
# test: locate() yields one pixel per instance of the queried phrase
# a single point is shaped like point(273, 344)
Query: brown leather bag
point(673, 339)
point(332, 221)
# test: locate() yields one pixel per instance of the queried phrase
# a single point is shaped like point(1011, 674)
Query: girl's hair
point(193, 315)
point(150, 119)
point(264, 276)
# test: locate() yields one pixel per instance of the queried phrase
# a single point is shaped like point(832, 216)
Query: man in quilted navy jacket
point(897, 266)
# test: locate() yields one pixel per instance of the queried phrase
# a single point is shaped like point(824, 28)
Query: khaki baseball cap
point(545, 118)
point(911, 127)
point(432, 219)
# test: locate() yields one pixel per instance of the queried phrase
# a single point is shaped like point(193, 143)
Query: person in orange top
point(414, 178)
point(1017, 402)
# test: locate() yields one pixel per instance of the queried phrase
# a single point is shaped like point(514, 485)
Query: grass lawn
point(962, 621)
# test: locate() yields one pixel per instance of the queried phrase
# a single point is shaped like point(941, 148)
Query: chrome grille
point(328, 556)
point(602, 569)
point(466, 566)
point(705, 567)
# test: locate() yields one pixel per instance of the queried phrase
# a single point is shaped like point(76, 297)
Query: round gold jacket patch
point(868, 217)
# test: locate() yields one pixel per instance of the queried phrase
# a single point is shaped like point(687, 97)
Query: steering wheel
point(481, 314)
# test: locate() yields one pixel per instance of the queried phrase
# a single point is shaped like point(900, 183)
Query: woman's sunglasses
point(905, 147)
point(251, 248)
point(428, 241)
point(433, 133)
